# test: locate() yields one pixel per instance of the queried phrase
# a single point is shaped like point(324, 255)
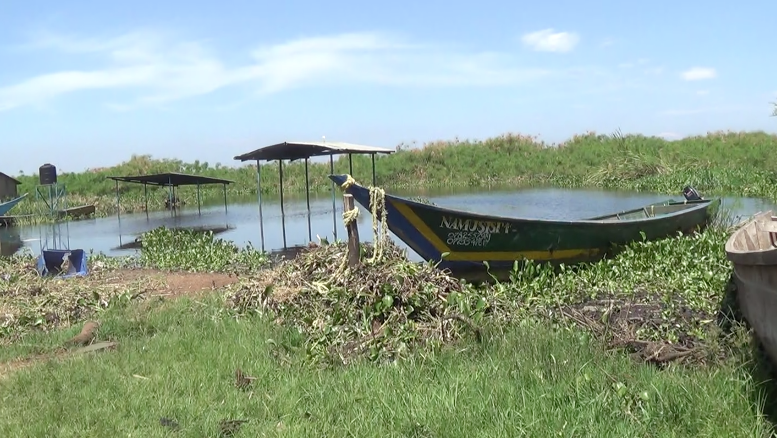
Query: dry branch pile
point(375, 309)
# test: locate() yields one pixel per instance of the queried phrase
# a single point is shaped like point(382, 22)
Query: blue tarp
point(50, 261)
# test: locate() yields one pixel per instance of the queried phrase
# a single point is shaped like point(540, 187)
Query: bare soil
point(174, 284)
point(7, 368)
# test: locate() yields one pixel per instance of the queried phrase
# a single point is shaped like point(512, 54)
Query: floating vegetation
point(197, 251)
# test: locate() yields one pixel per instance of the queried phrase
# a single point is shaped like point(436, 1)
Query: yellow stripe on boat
point(421, 226)
point(461, 256)
point(510, 256)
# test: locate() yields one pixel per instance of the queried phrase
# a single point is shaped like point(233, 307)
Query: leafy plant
point(195, 250)
point(731, 163)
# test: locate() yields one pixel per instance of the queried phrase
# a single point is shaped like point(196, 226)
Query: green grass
point(197, 251)
point(733, 163)
point(530, 380)
point(527, 363)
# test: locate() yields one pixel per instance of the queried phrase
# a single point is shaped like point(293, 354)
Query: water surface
point(240, 221)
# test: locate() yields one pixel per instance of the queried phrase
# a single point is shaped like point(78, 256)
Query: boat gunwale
point(598, 220)
point(16, 199)
point(10, 204)
point(750, 257)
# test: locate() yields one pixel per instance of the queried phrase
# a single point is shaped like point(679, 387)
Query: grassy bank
point(646, 343)
point(740, 163)
point(176, 364)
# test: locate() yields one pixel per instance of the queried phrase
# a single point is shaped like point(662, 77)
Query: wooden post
point(353, 232)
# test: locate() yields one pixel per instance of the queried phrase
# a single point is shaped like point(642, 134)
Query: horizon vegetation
point(718, 163)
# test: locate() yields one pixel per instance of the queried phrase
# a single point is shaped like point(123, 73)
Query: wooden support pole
point(145, 197)
point(353, 232)
point(118, 202)
point(374, 178)
point(199, 201)
point(334, 189)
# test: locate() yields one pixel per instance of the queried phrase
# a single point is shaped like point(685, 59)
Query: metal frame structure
point(298, 150)
point(54, 195)
point(171, 180)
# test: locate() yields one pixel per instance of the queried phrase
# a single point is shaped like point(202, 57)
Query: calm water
point(241, 221)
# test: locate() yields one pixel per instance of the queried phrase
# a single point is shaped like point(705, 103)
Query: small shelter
point(297, 150)
point(9, 187)
point(171, 180)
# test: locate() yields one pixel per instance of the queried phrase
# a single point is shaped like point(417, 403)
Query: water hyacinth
point(195, 250)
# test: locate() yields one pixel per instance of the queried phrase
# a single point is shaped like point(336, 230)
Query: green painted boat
point(468, 239)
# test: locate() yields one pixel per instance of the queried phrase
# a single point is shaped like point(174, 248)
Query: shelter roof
point(171, 179)
point(14, 180)
point(296, 150)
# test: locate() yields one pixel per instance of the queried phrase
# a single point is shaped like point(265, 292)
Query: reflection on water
point(10, 241)
point(240, 222)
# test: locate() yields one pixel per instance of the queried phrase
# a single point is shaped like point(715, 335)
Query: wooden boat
point(752, 249)
point(6, 206)
point(79, 211)
point(468, 238)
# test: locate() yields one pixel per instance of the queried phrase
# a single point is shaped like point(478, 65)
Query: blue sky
point(86, 86)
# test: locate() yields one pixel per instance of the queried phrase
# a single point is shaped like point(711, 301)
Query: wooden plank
point(353, 232)
point(769, 226)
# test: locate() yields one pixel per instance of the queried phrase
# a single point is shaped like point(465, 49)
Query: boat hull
point(754, 260)
point(5, 207)
point(469, 239)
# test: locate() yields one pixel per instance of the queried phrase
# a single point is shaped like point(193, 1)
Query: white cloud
point(702, 92)
point(699, 73)
point(547, 40)
point(162, 69)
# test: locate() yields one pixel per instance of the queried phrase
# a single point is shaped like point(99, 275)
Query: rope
point(378, 202)
point(349, 181)
point(380, 235)
point(350, 216)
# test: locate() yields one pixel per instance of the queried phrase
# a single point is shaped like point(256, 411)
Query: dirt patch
point(173, 284)
point(29, 302)
point(8, 368)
